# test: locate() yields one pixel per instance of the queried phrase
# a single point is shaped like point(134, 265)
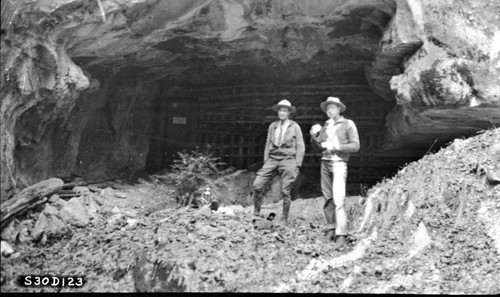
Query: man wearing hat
point(337, 139)
point(283, 155)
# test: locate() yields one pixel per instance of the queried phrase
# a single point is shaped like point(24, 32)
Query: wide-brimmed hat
point(284, 103)
point(333, 100)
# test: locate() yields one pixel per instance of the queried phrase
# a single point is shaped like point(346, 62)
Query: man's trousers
point(333, 184)
point(287, 169)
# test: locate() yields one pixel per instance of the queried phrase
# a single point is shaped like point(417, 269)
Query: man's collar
point(332, 121)
point(287, 121)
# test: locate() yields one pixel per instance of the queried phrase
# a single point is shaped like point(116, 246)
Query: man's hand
point(331, 146)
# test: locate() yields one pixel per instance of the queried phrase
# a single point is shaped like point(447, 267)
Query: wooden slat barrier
point(234, 121)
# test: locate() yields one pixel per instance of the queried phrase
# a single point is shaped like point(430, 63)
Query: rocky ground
point(433, 228)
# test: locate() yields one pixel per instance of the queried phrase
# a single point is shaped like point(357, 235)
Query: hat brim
point(339, 104)
point(277, 107)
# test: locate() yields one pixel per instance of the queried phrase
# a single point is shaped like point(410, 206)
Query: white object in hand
point(327, 145)
point(331, 145)
point(315, 128)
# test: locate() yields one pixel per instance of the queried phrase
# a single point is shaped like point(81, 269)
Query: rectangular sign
point(179, 120)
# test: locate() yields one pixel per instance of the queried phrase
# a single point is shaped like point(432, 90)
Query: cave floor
point(156, 245)
point(209, 251)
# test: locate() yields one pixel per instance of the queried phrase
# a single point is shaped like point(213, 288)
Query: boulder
point(75, 213)
point(9, 232)
point(50, 209)
point(131, 222)
point(115, 219)
point(120, 195)
point(49, 223)
point(7, 249)
point(131, 213)
point(225, 211)
point(237, 209)
point(493, 177)
point(53, 198)
point(98, 199)
point(81, 190)
point(91, 206)
point(59, 203)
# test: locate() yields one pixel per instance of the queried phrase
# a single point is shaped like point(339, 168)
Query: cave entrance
point(234, 119)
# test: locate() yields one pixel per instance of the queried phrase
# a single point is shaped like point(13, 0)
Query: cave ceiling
point(222, 42)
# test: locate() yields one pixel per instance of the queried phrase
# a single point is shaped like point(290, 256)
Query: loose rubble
point(433, 228)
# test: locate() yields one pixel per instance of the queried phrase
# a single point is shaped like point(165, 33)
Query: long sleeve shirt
point(291, 143)
point(342, 134)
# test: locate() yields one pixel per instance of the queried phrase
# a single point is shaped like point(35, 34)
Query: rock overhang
point(437, 63)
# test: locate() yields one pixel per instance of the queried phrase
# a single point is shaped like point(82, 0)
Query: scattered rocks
point(23, 236)
point(75, 213)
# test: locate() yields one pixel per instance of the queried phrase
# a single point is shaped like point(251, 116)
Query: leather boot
point(330, 235)
point(340, 242)
point(257, 202)
point(286, 210)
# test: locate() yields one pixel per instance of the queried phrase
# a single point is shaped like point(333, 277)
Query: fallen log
point(28, 198)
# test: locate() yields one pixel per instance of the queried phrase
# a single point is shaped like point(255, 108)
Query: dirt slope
point(433, 228)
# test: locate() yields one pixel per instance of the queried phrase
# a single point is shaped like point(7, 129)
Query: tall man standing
point(283, 155)
point(337, 139)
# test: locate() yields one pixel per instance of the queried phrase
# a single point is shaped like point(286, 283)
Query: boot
point(257, 202)
point(286, 210)
point(330, 235)
point(340, 242)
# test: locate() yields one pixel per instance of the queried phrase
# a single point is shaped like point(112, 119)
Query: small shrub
point(194, 170)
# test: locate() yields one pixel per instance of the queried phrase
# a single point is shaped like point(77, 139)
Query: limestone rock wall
point(447, 81)
point(40, 85)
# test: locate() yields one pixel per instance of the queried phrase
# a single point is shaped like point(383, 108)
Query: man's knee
point(258, 185)
point(328, 203)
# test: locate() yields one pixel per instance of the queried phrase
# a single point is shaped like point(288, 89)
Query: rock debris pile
point(432, 228)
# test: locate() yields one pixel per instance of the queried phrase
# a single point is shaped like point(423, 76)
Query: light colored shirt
point(332, 140)
point(280, 132)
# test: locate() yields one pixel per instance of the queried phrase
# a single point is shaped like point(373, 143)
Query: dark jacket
point(293, 143)
point(347, 135)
